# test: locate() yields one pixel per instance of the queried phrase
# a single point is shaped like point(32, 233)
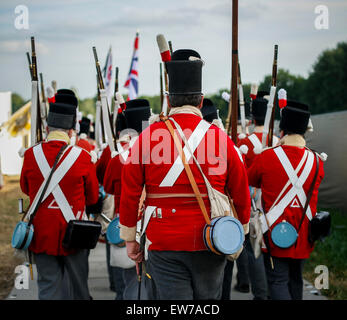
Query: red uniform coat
point(79, 185)
point(268, 174)
point(84, 144)
point(178, 225)
point(112, 178)
point(101, 164)
point(251, 153)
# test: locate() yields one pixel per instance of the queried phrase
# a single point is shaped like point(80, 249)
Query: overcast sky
point(66, 30)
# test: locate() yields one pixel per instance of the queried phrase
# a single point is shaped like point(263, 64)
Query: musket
point(270, 109)
point(274, 83)
point(116, 82)
point(30, 65)
point(101, 122)
point(116, 104)
point(165, 57)
point(170, 46)
point(242, 103)
point(36, 124)
point(161, 84)
point(107, 121)
point(43, 105)
point(233, 105)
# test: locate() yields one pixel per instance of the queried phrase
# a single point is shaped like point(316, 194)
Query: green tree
point(17, 102)
point(87, 106)
point(154, 102)
point(327, 82)
point(294, 85)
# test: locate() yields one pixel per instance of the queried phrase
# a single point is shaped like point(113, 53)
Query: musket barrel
point(98, 71)
point(234, 93)
point(274, 84)
point(30, 64)
point(33, 60)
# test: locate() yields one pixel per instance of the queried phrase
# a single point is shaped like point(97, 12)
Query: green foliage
point(154, 102)
point(17, 102)
point(87, 106)
point(294, 85)
point(332, 252)
point(327, 82)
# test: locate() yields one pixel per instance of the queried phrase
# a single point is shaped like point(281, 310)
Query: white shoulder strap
point(58, 175)
point(193, 142)
point(297, 187)
point(255, 141)
point(122, 152)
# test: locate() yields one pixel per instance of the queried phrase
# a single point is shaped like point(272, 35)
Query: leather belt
point(173, 195)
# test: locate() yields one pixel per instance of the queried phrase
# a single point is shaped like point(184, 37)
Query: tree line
point(324, 89)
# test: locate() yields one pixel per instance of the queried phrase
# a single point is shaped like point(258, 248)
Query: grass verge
point(332, 252)
point(8, 219)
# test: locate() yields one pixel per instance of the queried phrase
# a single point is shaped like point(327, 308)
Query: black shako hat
point(185, 73)
point(209, 110)
point(66, 91)
point(61, 116)
point(294, 117)
point(259, 106)
point(137, 111)
point(66, 99)
point(84, 125)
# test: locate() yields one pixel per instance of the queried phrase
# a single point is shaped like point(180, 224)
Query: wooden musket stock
point(273, 83)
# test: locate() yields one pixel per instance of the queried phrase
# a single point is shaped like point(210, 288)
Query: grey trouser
point(256, 272)
point(115, 275)
point(249, 269)
point(63, 277)
point(183, 275)
point(285, 280)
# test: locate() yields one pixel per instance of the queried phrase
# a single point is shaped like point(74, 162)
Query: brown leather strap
point(187, 168)
point(310, 192)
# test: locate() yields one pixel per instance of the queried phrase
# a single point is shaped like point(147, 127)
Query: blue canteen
point(284, 235)
point(113, 232)
point(19, 233)
point(226, 234)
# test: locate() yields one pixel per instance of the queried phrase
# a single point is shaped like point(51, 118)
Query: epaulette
point(323, 156)
point(92, 154)
point(242, 136)
point(22, 150)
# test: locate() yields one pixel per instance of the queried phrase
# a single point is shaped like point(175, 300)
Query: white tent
point(11, 162)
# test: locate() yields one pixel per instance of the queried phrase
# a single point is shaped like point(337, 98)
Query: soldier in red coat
point(178, 260)
point(129, 125)
point(285, 175)
point(82, 139)
point(62, 273)
point(251, 145)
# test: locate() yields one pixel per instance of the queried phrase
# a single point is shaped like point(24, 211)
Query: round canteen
point(113, 232)
point(226, 234)
point(284, 235)
point(19, 235)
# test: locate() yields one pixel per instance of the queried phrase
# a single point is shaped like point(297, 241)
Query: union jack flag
point(132, 80)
